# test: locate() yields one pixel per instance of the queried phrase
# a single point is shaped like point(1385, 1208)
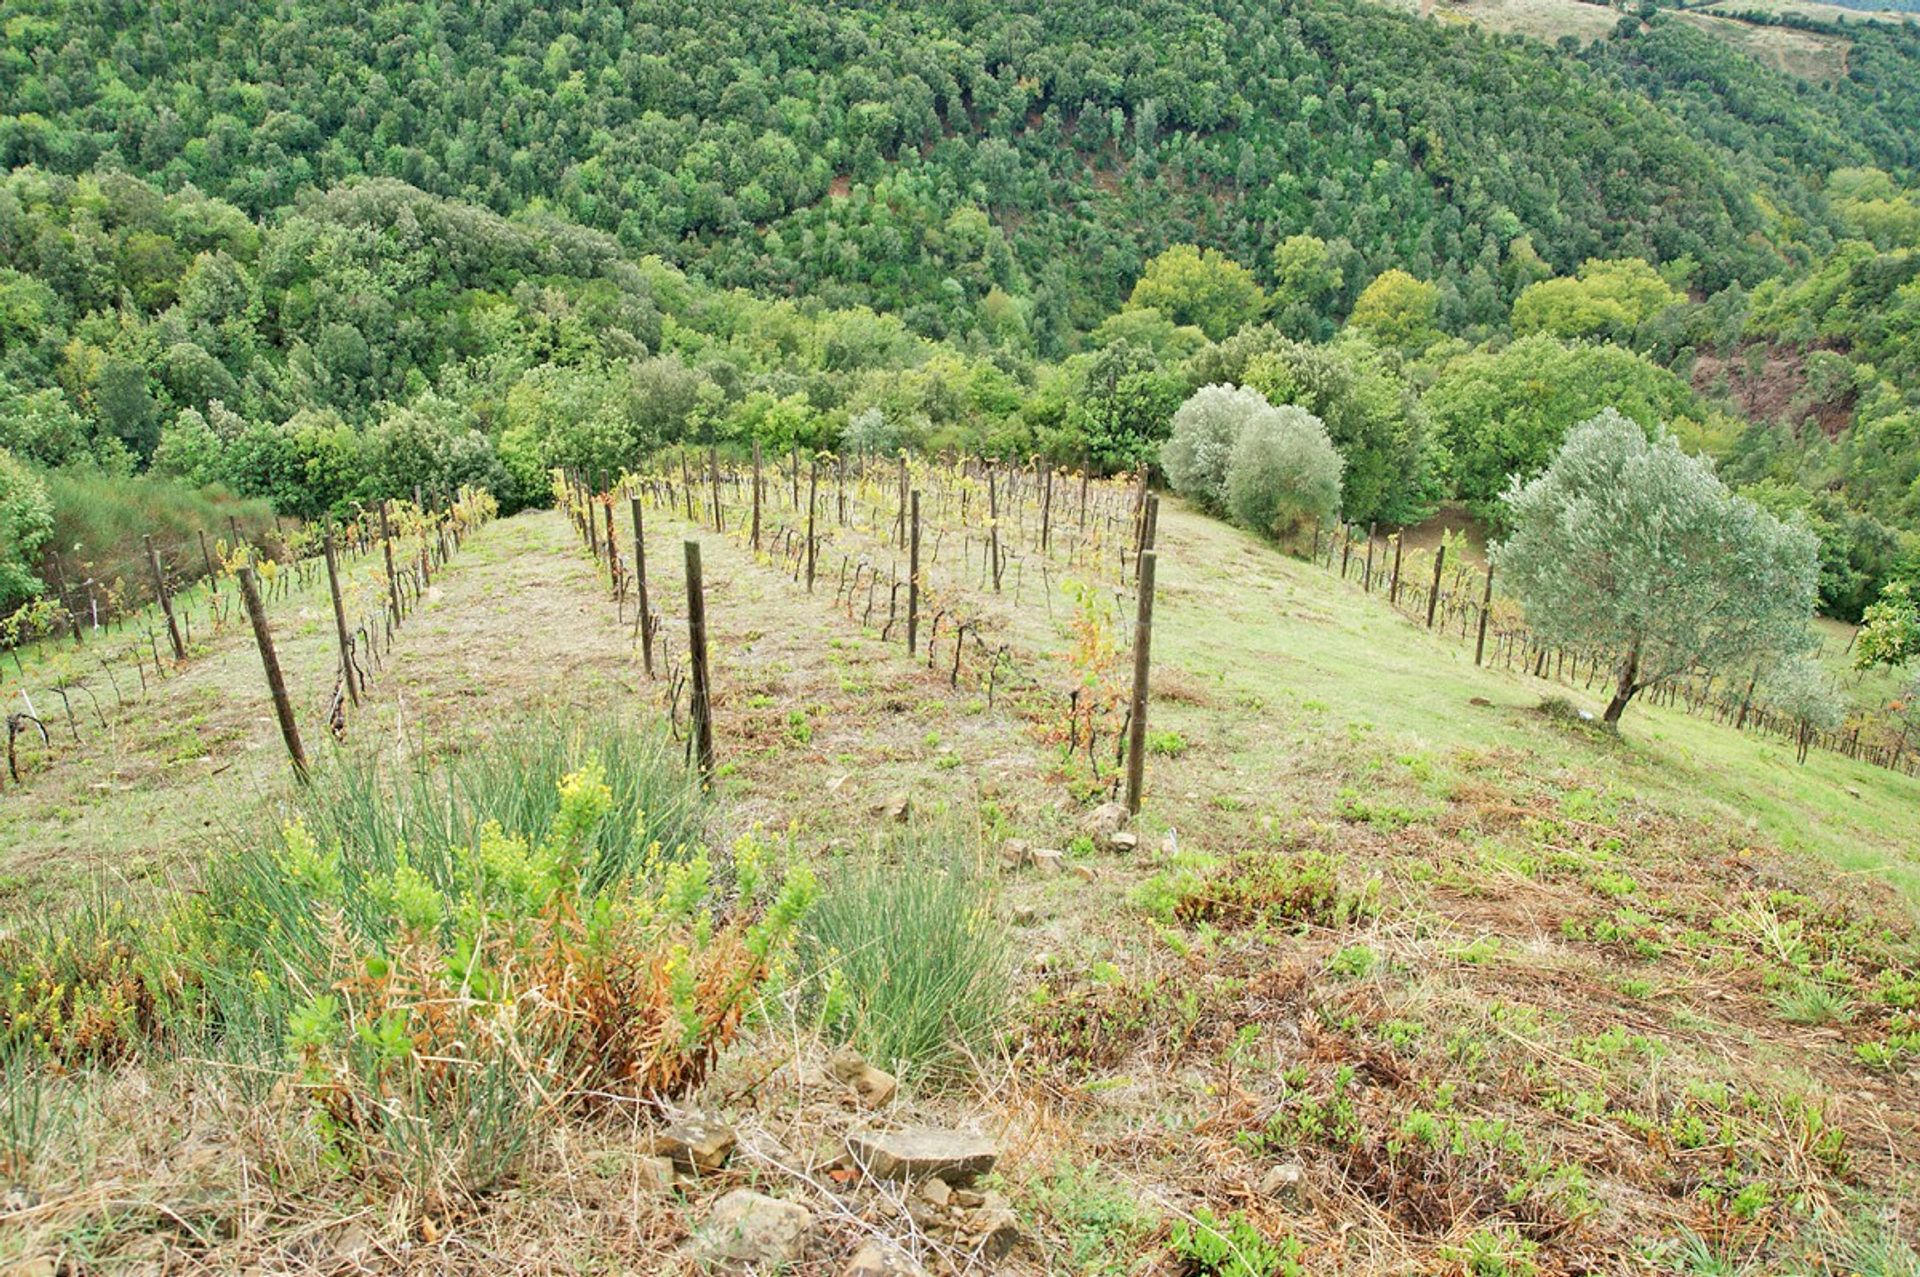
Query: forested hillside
point(917, 159)
point(321, 254)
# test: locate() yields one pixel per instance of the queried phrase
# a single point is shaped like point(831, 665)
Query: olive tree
point(1629, 545)
point(1799, 689)
point(1205, 429)
point(1284, 472)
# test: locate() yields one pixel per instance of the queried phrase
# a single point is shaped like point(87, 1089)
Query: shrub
point(1284, 472)
point(1205, 429)
point(914, 968)
point(26, 520)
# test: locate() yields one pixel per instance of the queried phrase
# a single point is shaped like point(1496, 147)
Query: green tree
point(1201, 287)
point(1504, 412)
point(1205, 429)
point(1284, 472)
point(1889, 629)
point(1370, 412)
point(26, 521)
point(1800, 689)
point(1628, 545)
point(1123, 407)
point(1397, 310)
point(1610, 299)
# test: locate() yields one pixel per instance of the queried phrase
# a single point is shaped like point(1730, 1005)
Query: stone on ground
point(697, 1145)
point(749, 1228)
point(922, 1153)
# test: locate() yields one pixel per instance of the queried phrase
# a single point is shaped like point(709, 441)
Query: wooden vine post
point(206, 556)
point(813, 491)
point(993, 525)
point(1046, 513)
point(1366, 571)
point(644, 621)
point(340, 619)
point(276, 685)
point(1486, 605)
point(1393, 590)
point(756, 497)
point(166, 601)
point(697, 649)
point(713, 472)
point(1137, 718)
point(913, 575)
point(1433, 595)
point(393, 577)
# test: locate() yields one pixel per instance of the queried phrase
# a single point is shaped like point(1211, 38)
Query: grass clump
point(915, 970)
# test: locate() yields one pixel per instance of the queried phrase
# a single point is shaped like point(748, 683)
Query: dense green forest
point(321, 255)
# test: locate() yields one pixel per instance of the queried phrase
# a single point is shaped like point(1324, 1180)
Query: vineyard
point(1391, 968)
point(967, 565)
point(128, 640)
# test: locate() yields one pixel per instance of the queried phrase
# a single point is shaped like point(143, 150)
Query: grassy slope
point(1327, 662)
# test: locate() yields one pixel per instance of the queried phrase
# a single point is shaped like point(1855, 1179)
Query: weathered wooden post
point(276, 685)
point(166, 601)
point(697, 650)
point(900, 526)
point(756, 496)
point(340, 619)
point(1433, 595)
point(713, 471)
point(206, 556)
point(813, 492)
point(913, 575)
point(1366, 570)
point(1393, 590)
point(993, 525)
point(1142, 652)
point(1346, 549)
point(1046, 512)
point(393, 577)
point(645, 620)
point(1486, 605)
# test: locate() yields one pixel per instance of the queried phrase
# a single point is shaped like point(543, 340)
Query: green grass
point(912, 965)
point(1291, 656)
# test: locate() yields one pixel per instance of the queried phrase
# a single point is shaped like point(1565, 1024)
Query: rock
point(1283, 1181)
point(38, 1266)
point(1853, 791)
point(900, 808)
point(1085, 873)
point(1104, 821)
point(967, 1199)
point(1025, 915)
point(746, 1227)
point(1046, 860)
point(1125, 842)
point(877, 1259)
point(1013, 853)
point(936, 1191)
point(697, 1146)
point(1480, 701)
point(993, 1230)
point(922, 1153)
point(654, 1174)
point(874, 1087)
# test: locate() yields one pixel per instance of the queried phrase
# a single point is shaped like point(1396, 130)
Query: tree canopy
point(1629, 546)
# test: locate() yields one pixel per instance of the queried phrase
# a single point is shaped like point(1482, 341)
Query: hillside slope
point(917, 160)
